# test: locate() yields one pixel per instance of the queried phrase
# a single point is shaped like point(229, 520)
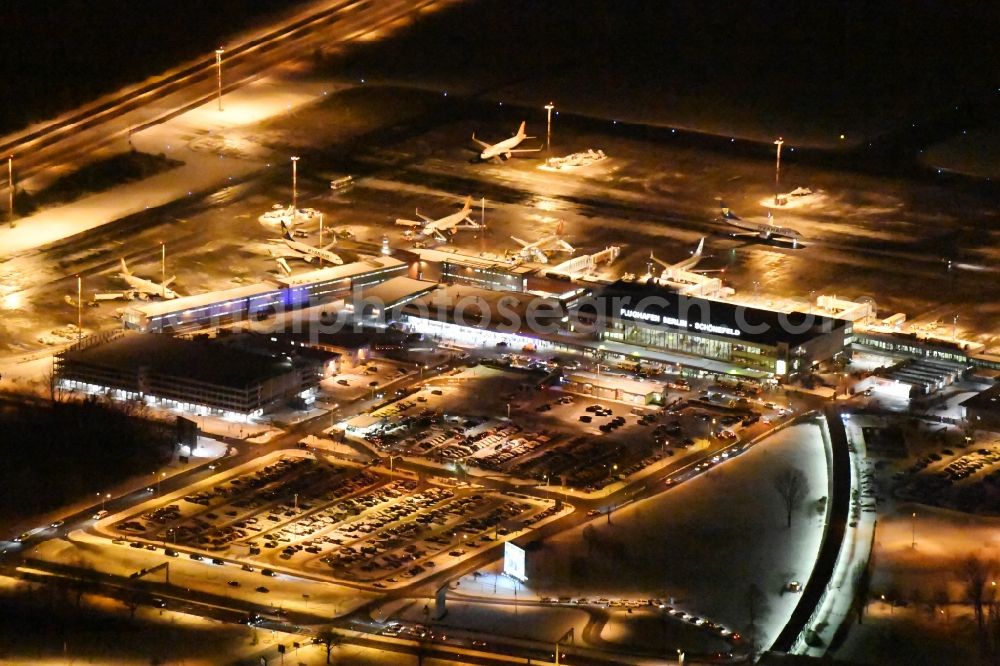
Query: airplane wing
point(113, 296)
point(483, 144)
point(426, 219)
point(170, 281)
point(408, 223)
point(523, 150)
point(522, 243)
point(565, 246)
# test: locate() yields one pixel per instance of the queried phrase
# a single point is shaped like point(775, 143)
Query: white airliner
point(289, 248)
point(450, 223)
point(504, 148)
point(764, 230)
point(670, 271)
point(536, 251)
point(140, 287)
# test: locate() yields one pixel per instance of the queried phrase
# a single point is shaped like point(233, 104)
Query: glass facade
point(668, 339)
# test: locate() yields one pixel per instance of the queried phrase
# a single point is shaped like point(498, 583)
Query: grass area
point(57, 453)
point(96, 177)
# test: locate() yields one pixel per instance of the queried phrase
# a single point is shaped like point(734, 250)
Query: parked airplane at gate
point(289, 248)
point(139, 287)
point(670, 271)
point(536, 251)
point(450, 223)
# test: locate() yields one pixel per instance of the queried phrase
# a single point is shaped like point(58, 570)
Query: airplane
point(504, 148)
point(536, 251)
point(140, 287)
point(294, 249)
point(450, 223)
point(763, 230)
point(670, 271)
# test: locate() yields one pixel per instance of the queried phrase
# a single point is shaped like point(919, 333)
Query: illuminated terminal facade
point(777, 343)
point(262, 300)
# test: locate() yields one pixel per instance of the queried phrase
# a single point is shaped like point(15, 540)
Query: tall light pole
point(163, 270)
point(218, 74)
point(777, 167)
point(295, 188)
point(10, 190)
point(913, 530)
point(548, 126)
point(79, 309)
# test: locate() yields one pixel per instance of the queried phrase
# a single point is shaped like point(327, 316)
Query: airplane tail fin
point(701, 246)
point(520, 130)
point(286, 234)
point(125, 270)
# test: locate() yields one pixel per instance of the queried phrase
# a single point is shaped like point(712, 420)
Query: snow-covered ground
point(703, 543)
point(212, 146)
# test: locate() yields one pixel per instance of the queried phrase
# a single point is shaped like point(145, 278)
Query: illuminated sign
point(513, 562)
point(654, 318)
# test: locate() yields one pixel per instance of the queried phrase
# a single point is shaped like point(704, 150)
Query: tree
point(329, 639)
point(792, 486)
point(974, 574)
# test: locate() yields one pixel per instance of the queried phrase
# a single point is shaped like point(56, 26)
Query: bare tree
point(975, 574)
point(792, 486)
point(329, 639)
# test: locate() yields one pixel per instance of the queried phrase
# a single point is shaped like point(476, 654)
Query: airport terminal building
point(777, 343)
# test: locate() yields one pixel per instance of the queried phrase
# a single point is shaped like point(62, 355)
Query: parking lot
point(958, 474)
point(302, 514)
point(515, 427)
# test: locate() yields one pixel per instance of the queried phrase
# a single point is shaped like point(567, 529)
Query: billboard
point(513, 562)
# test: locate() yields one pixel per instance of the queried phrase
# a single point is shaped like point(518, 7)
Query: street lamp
point(295, 187)
point(163, 270)
point(548, 126)
point(218, 74)
point(79, 309)
point(777, 167)
point(913, 530)
point(10, 190)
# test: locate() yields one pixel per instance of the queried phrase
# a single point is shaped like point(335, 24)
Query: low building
point(982, 411)
point(200, 376)
point(614, 387)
